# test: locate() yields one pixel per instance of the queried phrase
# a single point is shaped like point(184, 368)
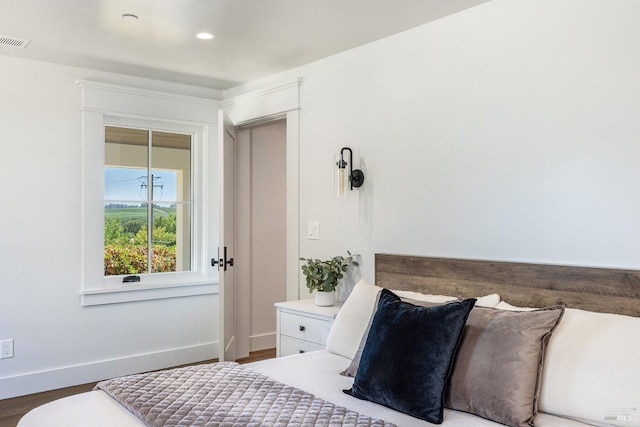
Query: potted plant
point(323, 276)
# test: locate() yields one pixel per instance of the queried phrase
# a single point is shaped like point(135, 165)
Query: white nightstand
point(302, 326)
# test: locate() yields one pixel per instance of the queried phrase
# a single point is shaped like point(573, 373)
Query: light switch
point(313, 230)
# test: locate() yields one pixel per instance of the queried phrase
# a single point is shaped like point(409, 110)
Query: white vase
point(325, 299)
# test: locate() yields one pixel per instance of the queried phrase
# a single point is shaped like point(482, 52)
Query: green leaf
point(325, 275)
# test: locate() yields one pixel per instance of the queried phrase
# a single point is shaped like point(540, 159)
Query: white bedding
point(316, 372)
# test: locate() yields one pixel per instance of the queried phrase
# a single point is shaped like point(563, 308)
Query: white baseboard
point(262, 342)
point(35, 382)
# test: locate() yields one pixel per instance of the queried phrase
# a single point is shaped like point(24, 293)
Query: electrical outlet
point(6, 349)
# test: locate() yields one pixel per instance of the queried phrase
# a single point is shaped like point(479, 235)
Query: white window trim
point(104, 104)
point(91, 297)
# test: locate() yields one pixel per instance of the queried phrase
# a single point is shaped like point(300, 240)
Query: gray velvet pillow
point(499, 364)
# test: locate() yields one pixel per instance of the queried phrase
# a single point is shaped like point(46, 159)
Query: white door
point(226, 251)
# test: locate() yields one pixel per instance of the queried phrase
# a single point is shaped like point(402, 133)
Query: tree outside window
point(147, 201)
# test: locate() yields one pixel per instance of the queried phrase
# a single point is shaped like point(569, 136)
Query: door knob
point(226, 261)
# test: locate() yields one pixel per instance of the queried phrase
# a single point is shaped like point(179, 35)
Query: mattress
point(316, 372)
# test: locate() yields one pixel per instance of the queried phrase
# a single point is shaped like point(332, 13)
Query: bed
point(589, 378)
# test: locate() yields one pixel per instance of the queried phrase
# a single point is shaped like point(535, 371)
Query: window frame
point(148, 196)
point(194, 274)
point(109, 105)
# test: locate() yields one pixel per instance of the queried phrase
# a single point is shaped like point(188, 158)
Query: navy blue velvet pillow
point(407, 359)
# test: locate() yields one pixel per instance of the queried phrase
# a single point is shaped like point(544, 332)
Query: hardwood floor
point(11, 410)
point(258, 355)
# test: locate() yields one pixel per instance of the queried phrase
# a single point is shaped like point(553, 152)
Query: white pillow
point(491, 300)
point(591, 370)
point(353, 318)
point(423, 297)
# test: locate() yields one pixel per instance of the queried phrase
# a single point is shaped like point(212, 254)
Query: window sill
point(91, 297)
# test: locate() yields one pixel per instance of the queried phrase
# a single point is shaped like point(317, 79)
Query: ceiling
point(253, 38)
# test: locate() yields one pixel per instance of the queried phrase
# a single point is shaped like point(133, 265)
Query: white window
point(147, 202)
point(149, 205)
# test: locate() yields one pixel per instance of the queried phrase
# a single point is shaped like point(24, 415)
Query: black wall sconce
point(346, 176)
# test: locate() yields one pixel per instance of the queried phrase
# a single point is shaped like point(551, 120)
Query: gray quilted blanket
point(225, 395)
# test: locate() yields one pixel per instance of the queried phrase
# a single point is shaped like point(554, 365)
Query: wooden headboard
point(520, 284)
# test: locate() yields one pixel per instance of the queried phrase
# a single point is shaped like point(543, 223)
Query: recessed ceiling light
point(129, 17)
point(205, 36)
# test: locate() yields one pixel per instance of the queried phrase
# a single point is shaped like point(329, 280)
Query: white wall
point(510, 131)
point(57, 342)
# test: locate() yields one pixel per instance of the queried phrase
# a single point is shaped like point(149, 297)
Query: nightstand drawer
point(304, 328)
point(290, 346)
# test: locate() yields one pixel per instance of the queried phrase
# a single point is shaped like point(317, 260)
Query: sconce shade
point(346, 177)
point(341, 177)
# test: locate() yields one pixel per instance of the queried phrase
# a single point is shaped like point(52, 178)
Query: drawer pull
point(301, 351)
point(302, 328)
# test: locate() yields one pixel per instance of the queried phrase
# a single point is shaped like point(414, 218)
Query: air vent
point(13, 41)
